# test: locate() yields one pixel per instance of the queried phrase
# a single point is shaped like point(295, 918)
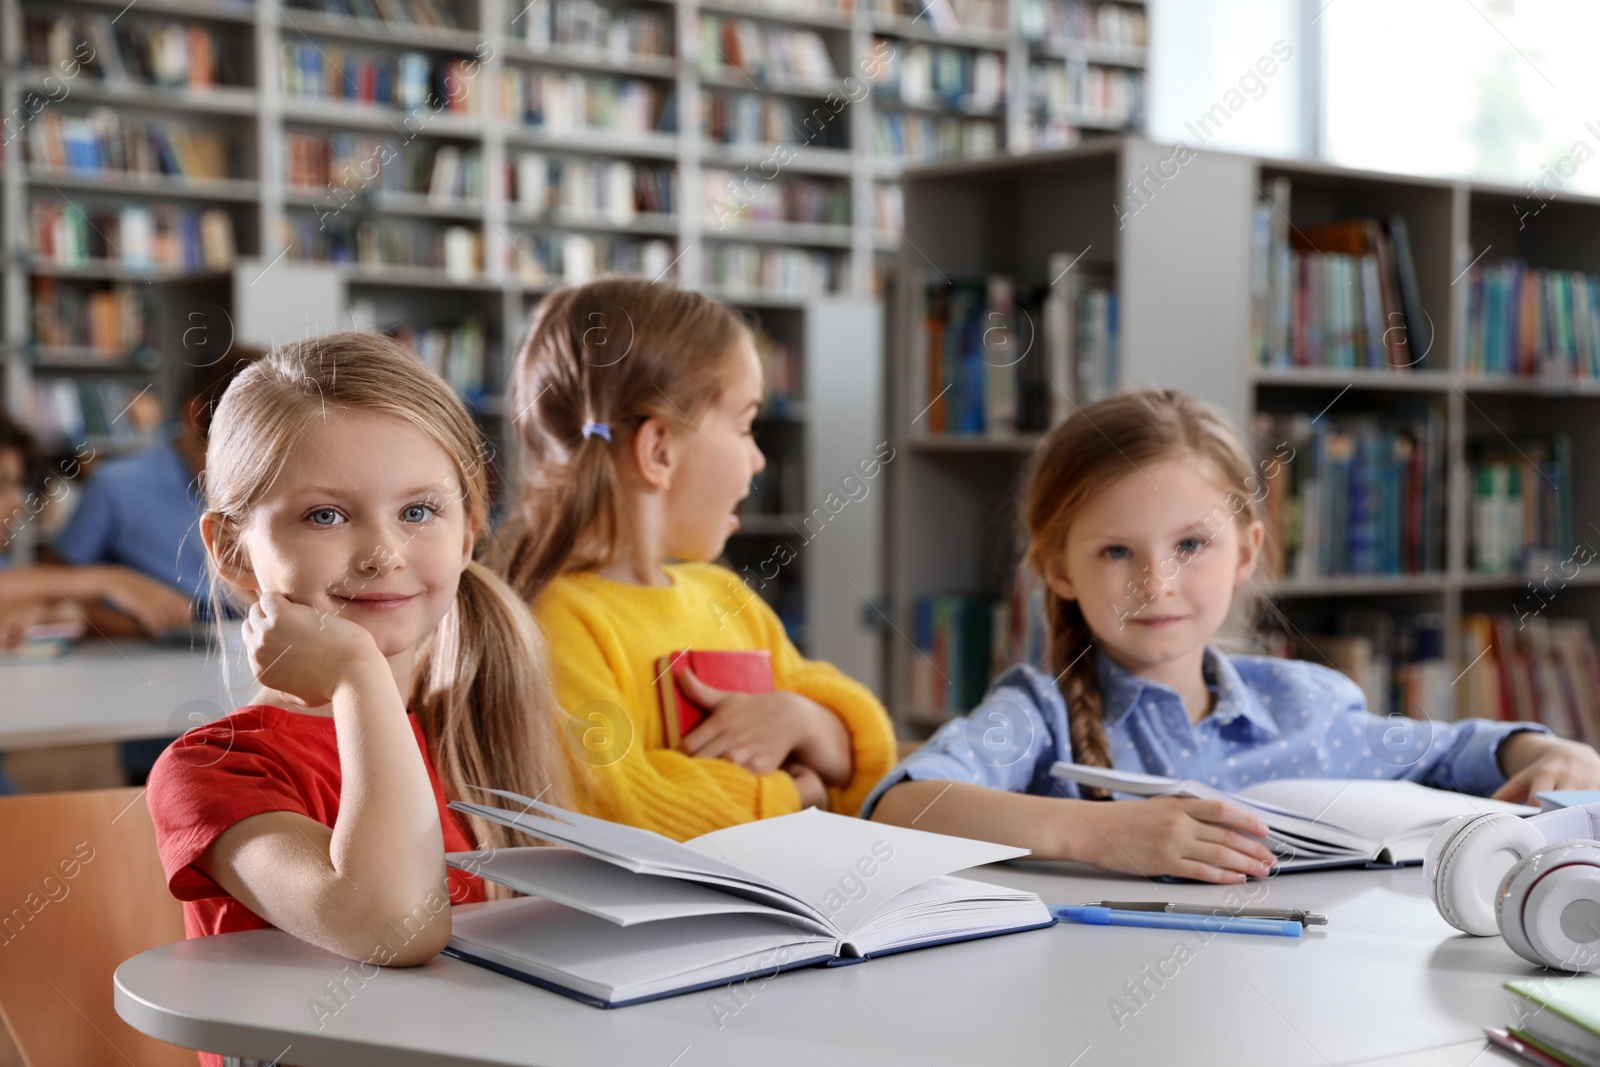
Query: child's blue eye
point(1116, 552)
point(1190, 545)
point(418, 513)
point(325, 517)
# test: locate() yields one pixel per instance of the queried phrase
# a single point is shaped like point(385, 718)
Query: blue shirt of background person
point(1272, 718)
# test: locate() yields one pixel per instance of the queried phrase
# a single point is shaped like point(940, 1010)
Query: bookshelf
point(1180, 241)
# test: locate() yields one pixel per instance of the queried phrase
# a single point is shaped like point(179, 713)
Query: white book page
point(1377, 809)
point(845, 868)
point(613, 893)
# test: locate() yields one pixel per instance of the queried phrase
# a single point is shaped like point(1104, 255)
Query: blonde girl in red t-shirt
point(345, 492)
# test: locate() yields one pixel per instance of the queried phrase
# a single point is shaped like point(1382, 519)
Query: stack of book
point(730, 196)
point(574, 258)
point(1052, 24)
point(71, 410)
point(586, 26)
point(562, 102)
point(169, 54)
point(1398, 661)
point(734, 118)
point(762, 51)
point(373, 244)
point(457, 353)
point(1533, 323)
point(112, 320)
point(136, 236)
point(349, 165)
point(611, 190)
point(408, 81)
point(921, 75)
point(1339, 294)
point(790, 273)
point(1531, 668)
point(999, 359)
point(917, 138)
point(961, 643)
point(1560, 1024)
point(1354, 494)
point(1521, 504)
point(102, 141)
point(429, 14)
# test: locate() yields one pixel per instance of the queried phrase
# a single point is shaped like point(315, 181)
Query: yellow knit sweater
point(603, 640)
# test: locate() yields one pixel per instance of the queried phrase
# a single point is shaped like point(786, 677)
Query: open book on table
point(1319, 822)
point(623, 915)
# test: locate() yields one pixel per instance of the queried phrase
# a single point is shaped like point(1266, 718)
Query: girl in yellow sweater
point(634, 404)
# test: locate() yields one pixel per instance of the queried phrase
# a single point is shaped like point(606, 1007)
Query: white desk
point(112, 691)
point(1386, 980)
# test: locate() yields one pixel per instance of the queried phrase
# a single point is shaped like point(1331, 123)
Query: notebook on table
point(742, 671)
point(1566, 1025)
point(623, 915)
point(1320, 822)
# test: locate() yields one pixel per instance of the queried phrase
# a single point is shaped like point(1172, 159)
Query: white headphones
point(1536, 881)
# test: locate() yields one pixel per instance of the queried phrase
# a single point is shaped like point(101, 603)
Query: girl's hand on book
point(759, 731)
point(301, 652)
point(1535, 762)
point(1184, 836)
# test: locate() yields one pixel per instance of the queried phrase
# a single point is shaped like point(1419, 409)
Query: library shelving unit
point(1180, 233)
point(438, 165)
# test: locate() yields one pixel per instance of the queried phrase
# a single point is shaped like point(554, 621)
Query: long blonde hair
point(1080, 459)
point(481, 698)
point(615, 352)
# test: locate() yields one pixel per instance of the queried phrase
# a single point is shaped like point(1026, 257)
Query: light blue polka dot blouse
point(1273, 718)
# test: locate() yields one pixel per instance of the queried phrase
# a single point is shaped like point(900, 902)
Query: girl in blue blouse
point(1143, 515)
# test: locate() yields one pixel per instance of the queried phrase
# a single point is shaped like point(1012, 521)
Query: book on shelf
point(1340, 294)
point(919, 138)
point(1066, 92)
point(614, 190)
point(1531, 667)
point(575, 258)
point(110, 319)
point(1354, 494)
point(993, 358)
point(733, 196)
point(349, 166)
point(136, 236)
point(731, 117)
point(1315, 823)
point(1521, 518)
point(922, 75)
point(106, 49)
point(623, 915)
point(406, 81)
point(373, 244)
point(1055, 23)
point(1533, 323)
point(457, 353)
point(1398, 660)
point(567, 102)
point(782, 377)
point(72, 409)
point(948, 16)
point(762, 50)
point(961, 643)
point(427, 14)
point(789, 273)
point(619, 34)
point(102, 141)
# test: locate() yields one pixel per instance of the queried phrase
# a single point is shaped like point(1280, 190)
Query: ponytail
point(484, 707)
point(613, 353)
point(1073, 663)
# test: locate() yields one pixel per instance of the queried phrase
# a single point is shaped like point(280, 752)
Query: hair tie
point(596, 429)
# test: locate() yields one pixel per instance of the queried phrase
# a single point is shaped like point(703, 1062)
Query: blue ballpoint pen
point(1222, 924)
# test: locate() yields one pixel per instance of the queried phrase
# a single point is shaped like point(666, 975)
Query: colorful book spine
point(1530, 322)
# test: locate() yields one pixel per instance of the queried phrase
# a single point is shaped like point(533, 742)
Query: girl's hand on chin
point(301, 652)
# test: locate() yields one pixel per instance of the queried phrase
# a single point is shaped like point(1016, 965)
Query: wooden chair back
point(81, 890)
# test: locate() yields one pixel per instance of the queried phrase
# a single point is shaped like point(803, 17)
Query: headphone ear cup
point(1548, 907)
point(1472, 862)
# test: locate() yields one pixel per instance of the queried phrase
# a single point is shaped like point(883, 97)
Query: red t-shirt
point(258, 759)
